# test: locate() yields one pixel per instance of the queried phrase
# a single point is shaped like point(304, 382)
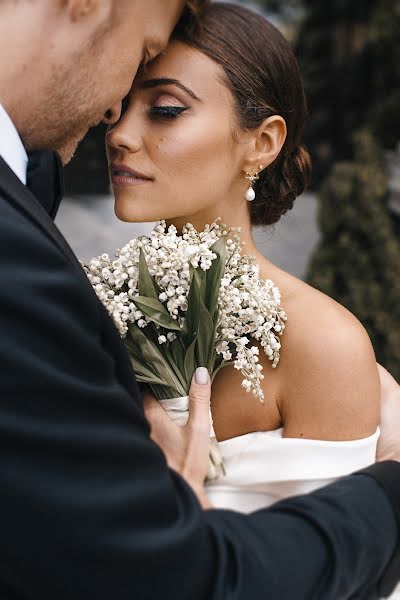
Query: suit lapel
point(19, 194)
point(15, 190)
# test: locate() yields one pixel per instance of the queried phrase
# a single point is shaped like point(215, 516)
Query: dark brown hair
point(191, 18)
point(196, 6)
point(262, 74)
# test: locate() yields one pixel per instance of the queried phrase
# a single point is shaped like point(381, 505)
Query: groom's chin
point(68, 149)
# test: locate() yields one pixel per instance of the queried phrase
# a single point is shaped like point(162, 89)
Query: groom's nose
point(113, 114)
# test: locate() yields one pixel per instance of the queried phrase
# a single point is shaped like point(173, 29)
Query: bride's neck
point(238, 219)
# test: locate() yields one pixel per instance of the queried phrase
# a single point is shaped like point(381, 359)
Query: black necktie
point(45, 179)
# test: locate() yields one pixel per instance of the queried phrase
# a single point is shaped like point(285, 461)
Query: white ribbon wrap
point(178, 411)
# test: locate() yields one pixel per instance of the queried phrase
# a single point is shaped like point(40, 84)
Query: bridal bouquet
point(190, 300)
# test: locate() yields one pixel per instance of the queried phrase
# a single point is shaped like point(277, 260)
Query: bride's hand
point(389, 441)
point(186, 448)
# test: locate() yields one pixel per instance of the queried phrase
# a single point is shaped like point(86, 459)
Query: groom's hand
point(389, 441)
point(186, 448)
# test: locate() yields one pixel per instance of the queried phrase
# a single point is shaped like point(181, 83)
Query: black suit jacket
point(89, 509)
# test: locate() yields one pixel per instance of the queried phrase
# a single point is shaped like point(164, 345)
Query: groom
point(88, 507)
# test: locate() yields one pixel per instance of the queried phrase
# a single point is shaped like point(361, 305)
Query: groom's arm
point(88, 508)
point(338, 542)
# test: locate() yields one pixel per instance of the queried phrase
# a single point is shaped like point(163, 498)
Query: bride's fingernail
point(201, 375)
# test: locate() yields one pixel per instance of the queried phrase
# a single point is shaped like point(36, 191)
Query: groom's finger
point(156, 416)
point(151, 406)
point(388, 443)
point(388, 383)
point(199, 401)
point(163, 431)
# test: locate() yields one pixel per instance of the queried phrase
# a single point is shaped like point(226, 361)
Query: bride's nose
point(122, 136)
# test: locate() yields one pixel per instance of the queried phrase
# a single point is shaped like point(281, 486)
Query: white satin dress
point(264, 467)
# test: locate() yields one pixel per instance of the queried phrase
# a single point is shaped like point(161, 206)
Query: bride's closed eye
point(166, 112)
point(166, 107)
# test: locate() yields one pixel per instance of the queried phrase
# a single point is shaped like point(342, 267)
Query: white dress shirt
point(11, 147)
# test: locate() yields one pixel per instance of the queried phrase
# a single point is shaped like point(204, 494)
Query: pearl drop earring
point(252, 178)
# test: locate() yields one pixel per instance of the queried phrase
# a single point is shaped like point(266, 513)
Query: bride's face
point(176, 154)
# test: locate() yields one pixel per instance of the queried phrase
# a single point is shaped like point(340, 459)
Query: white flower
point(162, 339)
point(191, 251)
point(246, 383)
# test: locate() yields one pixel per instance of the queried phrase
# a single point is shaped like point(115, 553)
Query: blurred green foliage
point(358, 259)
point(349, 54)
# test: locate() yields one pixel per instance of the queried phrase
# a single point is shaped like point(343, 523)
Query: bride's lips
point(122, 176)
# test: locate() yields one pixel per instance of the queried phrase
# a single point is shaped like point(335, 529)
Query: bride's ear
point(269, 138)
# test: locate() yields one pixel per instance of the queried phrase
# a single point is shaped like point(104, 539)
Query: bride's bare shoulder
point(329, 384)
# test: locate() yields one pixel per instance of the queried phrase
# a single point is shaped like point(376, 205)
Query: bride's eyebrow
point(152, 83)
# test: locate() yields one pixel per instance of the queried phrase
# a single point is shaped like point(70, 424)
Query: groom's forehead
point(188, 12)
point(151, 20)
point(157, 17)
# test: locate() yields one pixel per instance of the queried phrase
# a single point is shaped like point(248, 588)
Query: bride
point(215, 112)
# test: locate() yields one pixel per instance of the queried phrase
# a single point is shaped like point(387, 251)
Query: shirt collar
point(11, 147)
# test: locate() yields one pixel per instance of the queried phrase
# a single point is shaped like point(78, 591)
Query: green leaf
point(180, 375)
point(156, 311)
point(143, 378)
point(162, 393)
point(212, 354)
point(200, 277)
point(191, 324)
point(147, 285)
point(149, 380)
point(143, 371)
point(178, 354)
point(155, 360)
point(214, 275)
point(205, 345)
point(190, 361)
point(134, 350)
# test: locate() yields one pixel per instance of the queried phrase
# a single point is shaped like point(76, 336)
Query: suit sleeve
point(88, 507)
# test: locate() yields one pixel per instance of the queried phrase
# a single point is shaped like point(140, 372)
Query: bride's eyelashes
point(166, 112)
point(165, 106)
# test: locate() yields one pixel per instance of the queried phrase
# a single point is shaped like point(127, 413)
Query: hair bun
point(279, 185)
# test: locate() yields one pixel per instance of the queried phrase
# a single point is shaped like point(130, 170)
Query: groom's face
point(97, 70)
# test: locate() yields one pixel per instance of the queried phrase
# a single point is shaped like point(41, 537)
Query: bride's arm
point(330, 384)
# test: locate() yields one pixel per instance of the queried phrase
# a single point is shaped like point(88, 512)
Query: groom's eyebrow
point(152, 83)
